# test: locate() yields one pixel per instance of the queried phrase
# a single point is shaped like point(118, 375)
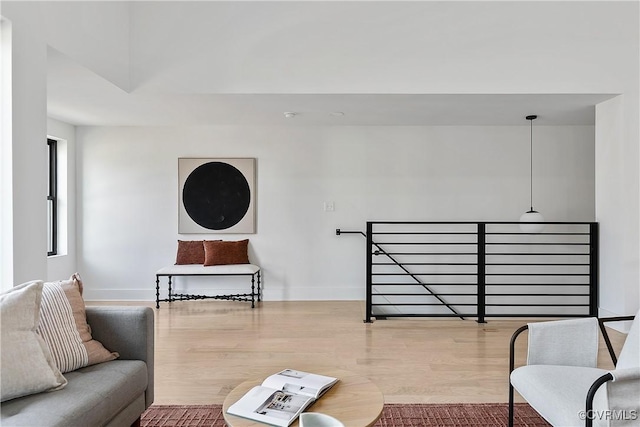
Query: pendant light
point(529, 219)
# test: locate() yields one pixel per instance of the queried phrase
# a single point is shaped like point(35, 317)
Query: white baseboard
point(304, 294)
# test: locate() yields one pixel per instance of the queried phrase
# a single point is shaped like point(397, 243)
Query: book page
point(271, 406)
point(282, 405)
point(300, 382)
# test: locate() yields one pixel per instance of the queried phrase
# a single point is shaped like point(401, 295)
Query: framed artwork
point(216, 195)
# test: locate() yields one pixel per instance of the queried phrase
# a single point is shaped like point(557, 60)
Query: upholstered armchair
point(562, 382)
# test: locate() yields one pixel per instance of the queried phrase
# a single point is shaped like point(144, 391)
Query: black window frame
point(52, 197)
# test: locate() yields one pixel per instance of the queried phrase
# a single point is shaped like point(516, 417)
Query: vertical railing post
point(481, 309)
point(369, 280)
point(594, 260)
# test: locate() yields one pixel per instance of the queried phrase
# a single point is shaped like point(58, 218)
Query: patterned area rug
point(393, 415)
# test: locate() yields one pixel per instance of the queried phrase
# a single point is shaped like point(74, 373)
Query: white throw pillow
point(27, 366)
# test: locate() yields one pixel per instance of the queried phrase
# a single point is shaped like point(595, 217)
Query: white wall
point(6, 157)
point(614, 155)
point(29, 152)
point(128, 194)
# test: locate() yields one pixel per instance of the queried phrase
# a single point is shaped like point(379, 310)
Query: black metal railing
point(480, 269)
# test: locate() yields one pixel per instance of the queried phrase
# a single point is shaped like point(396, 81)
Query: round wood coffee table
point(354, 400)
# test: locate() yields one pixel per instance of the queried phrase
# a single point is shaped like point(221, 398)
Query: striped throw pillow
point(63, 326)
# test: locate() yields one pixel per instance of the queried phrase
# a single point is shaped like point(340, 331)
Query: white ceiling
point(80, 97)
point(212, 63)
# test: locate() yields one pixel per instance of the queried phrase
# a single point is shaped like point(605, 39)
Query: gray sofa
point(113, 393)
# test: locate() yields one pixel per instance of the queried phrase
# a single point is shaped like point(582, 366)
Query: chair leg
point(510, 424)
point(512, 362)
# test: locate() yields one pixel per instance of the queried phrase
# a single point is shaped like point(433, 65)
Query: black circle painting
point(216, 195)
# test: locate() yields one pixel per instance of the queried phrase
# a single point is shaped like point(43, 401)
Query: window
point(52, 199)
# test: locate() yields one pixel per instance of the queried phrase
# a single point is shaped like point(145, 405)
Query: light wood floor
point(205, 348)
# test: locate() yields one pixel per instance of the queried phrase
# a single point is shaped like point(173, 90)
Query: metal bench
point(214, 270)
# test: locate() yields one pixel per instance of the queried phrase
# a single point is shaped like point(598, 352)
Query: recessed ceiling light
point(337, 113)
point(290, 114)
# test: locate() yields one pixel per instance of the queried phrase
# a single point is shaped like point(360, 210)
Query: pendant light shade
point(529, 221)
point(531, 217)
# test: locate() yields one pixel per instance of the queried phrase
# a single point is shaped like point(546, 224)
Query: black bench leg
point(170, 300)
point(158, 292)
point(259, 293)
point(253, 290)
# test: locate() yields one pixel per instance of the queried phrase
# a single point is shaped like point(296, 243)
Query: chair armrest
point(625, 374)
point(512, 347)
point(616, 319)
point(128, 330)
point(616, 375)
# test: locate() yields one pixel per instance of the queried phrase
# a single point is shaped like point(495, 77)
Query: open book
point(282, 397)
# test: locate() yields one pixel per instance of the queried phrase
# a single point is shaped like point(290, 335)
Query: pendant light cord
point(531, 119)
point(531, 165)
